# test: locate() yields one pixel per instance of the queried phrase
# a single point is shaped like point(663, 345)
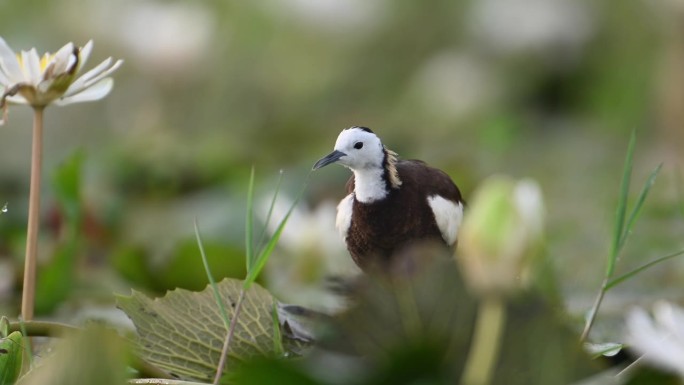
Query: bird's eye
point(358, 145)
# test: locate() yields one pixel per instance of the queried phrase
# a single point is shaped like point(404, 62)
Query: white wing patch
point(448, 215)
point(344, 215)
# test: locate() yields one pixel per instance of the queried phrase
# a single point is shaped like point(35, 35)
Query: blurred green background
point(547, 89)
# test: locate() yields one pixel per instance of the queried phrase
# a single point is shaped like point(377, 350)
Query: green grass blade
point(277, 335)
point(618, 232)
point(268, 249)
point(639, 269)
point(249, 223)
point(210, 277)
point(638, 205)
point(621, 207)
point(263, 256)
point(270, 209)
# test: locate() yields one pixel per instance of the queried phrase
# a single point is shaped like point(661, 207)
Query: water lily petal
point(93, 76)
point(640, 327)
point(30, 67)
point(63, 59)
point(80, 83)
point(95, 92)
point(84, 54)
point(4, 74)
point(104, 74)
point(654, 340)
point(671, 318)
point(3, 79)
point(25, 69)
point(9, 63)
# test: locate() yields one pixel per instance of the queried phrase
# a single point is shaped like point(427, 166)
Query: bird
point(391, 204)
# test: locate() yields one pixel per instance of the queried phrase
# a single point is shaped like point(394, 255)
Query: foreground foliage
point(183, 332)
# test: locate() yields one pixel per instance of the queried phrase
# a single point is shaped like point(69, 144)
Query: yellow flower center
point(44, 61)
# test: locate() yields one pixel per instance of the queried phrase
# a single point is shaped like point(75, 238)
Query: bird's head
point(357, 148)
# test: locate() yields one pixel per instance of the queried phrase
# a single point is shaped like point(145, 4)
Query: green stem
point(594, 310)
point(42, 328)
point(29, 290)
point(484, 353)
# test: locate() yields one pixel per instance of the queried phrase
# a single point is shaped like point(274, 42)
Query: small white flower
point(659, 339)
point(26, 78)
point(310, 253)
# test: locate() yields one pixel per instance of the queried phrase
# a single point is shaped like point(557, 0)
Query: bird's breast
point(391, 221)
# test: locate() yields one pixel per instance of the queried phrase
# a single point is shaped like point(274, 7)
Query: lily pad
point(183, 332)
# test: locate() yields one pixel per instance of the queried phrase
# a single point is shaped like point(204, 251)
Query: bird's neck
point(370, 185)
point(375, 183)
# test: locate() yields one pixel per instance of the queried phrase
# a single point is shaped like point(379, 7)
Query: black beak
point(330, 158)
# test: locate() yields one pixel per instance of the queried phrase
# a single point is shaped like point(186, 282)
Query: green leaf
point(130, 262)
point(56, 279)
point(183, 269)
point(183, 332)
point(11, 357)
point(67, 184)
point(265, 371)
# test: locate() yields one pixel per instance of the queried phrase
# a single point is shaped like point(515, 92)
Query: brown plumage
point(380, 229)
point(391, 204)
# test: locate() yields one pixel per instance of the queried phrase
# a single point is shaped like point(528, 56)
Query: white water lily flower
point(659, 339)
point(26, 78)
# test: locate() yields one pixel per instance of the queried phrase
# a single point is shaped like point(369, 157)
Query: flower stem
point(29, 291)
point(484, 351)
point(229, 337)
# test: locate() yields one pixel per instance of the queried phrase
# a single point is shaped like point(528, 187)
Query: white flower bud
point(502, 232)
